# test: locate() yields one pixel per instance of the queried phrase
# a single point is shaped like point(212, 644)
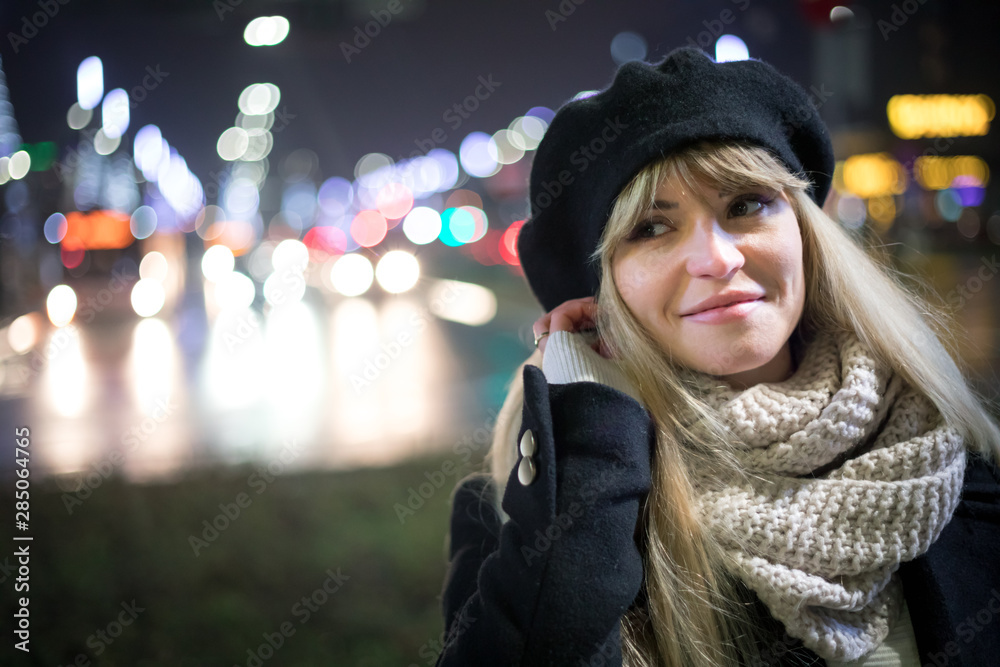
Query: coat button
point(527, 445)
point(526, 471)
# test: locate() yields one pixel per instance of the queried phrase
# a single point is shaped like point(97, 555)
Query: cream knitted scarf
point(856, 472)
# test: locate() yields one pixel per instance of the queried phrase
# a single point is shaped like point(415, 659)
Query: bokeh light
point(352, 275)
point(153, 266)
point(147, 297)
point(55, 228)
point(143, 222)
point(60, 305)
point(217, 262)
point(115, 113)
point(729, 48)
point(235, 291)
point(90, 82)
point(259, 98)
point(23, 333)
point(368, 228)
point(475, 155)
point(394, 200)
point(627, 46)
point(462, 302)
point(422, 225)
point(397, 271)
point(266, 31)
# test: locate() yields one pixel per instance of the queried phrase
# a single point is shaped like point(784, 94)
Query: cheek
point(640, 281)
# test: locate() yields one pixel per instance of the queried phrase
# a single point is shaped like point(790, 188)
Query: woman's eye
point(649, 229)
point(748, 205)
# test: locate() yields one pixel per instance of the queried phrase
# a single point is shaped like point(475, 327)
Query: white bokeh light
point(397, 271)
point(352, 275)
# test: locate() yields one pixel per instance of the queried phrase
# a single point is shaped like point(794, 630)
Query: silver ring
point(540, 337)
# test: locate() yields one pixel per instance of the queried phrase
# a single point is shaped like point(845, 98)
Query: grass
point(130, 542)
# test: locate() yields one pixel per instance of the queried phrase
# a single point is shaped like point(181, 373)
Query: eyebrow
point(669, 205)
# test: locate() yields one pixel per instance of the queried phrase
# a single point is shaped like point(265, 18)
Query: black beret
point(594, 146)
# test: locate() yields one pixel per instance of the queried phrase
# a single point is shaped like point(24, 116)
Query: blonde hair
point(695, 613)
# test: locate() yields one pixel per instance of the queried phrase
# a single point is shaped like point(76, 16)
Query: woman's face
point(687, 255)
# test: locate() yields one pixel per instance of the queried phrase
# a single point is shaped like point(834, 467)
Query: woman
point(741, 440)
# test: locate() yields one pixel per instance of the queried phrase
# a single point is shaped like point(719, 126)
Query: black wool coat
point(550, 586)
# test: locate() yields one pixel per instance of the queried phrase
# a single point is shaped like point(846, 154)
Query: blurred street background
point(260, 298)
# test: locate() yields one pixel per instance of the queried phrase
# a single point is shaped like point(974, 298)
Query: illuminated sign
point(916, 116)
point(97, 230)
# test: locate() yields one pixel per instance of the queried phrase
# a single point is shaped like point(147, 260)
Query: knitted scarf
point(855, 472)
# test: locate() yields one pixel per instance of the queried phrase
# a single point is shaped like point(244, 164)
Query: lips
point(723, 300)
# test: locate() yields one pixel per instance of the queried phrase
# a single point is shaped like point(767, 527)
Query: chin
point(732, 359)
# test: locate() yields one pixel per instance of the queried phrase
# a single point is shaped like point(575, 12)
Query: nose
point(712, 252)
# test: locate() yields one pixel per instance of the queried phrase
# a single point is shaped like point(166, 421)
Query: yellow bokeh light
point(915, 116)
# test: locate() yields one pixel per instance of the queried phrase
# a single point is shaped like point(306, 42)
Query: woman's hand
point(574, 316)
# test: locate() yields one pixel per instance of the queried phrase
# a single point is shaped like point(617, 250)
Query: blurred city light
point(259, 98)
point(236, 290)
point(462, 302)
point(115, 113)
point(55, 228)
point(61, 305)
point(475, 154)
point(105, 145)
point(335, 196)
point(936, 172)
point(233, 143)
point(352, 275)
point(23, 333)
point(368, 228)
point(508, 243)
point(148, 297)
point(873, 175)
point(729, 48)
point(77, 117)
point(840, 13)
point(143, 222)
point(290, 255)
point(397, 271)
point(90, 82)
point(627, 46)
point(527, 132)
point(217, 262)
point(266, 31)
point(916, 116)
point(507, 147)
point(422, 225)
point(394, 200)
point(20, 163)
point(153, 266)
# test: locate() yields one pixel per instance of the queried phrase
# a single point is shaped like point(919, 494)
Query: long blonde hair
point(694, 614)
